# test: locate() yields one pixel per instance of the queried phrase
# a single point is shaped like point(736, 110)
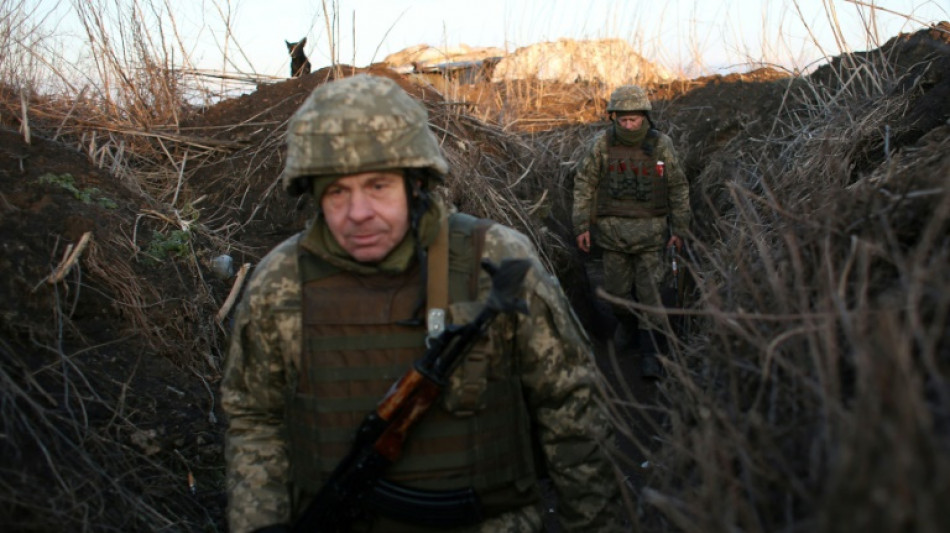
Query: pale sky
point(689, 37)
point(681, 34)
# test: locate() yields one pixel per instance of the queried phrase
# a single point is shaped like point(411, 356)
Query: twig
point(181, 175)
point(211, 417)
point(25, 119)
point(731, 317)
point(26, 374)
point(70, 260)
point(891, 11)
point(5, 204)
point(205, 143)
point(69, 113)
point(232, 296)
point(250, 79)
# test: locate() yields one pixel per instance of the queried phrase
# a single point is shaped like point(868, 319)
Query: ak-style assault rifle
point(671, 249)
point(674, 267)
point(355, 488)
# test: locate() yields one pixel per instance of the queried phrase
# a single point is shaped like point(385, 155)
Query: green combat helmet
point(358, 124)
point(628, 98)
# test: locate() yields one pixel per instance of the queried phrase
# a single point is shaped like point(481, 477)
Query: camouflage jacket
point(555, 361)
point(626, 234)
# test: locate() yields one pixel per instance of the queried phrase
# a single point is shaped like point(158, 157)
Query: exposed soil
point(132, 333)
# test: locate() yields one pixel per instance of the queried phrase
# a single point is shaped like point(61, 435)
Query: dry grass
point(93, 465)
point(810, 393)
point(97, 460)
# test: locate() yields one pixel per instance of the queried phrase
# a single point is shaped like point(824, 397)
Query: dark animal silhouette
point(299, 64)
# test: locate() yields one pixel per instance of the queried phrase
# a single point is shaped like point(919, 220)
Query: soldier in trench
point(631, 199)
point(334, 314)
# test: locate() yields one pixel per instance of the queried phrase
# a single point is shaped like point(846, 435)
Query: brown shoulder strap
point(478, 246)
point(437, 284)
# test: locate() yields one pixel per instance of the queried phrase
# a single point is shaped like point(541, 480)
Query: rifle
point(676, 275)
point(355, 482)
point(671, 249)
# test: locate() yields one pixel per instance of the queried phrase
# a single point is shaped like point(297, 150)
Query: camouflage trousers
point(643, 273)
point(524, 520)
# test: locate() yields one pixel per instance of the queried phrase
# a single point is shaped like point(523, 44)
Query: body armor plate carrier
point(356, 344)
point(632, 187)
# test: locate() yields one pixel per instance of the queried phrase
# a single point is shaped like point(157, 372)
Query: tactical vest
point(631, 186)
point(357, 343)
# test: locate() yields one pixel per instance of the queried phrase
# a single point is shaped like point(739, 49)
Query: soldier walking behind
point(631, 199)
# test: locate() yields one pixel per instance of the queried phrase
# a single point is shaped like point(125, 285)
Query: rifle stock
point(380, 437)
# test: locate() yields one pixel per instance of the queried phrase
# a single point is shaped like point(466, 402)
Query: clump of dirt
point(36, 183)
point(918, 68)
point(90, 373)
point(844, 120)
point(702, 115)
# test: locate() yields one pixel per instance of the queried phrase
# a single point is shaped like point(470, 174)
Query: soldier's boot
point(625, 339)
point(650, 367)
point(626, 334)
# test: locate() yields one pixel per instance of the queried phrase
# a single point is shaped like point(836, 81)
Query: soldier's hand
point(675, 241)
point(583, 241)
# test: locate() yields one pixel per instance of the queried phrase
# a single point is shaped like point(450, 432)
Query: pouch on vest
point(477, 437)
point(631, 186)
point(465, 392)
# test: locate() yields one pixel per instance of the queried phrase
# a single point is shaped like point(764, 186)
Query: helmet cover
point(358, 124)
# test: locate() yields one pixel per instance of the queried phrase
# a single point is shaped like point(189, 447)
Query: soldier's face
point(630, 122)
point(367, 213)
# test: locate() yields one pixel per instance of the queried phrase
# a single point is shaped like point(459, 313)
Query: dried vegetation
point(807, 390)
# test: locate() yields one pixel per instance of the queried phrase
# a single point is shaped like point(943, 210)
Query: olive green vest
point(632, 187)
point(357, 342)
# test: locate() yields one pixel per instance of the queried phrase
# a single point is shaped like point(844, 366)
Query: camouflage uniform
point(633, 246)
point(552, 356)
